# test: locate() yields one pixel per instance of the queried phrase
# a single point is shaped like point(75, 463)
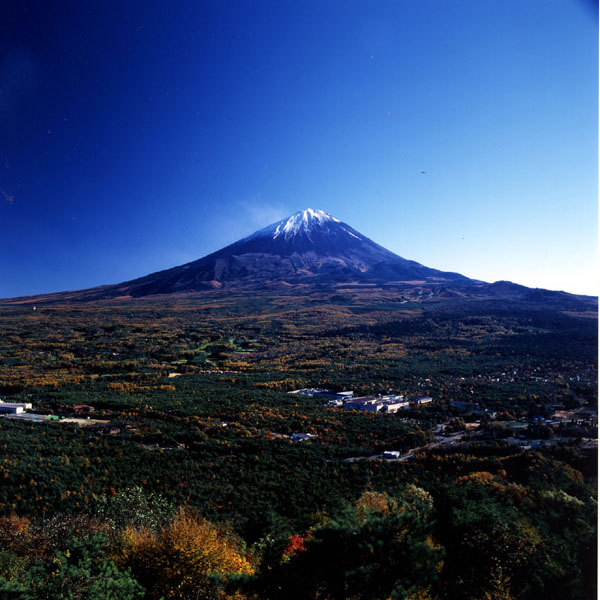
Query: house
point(391, 454)
point(83, 409)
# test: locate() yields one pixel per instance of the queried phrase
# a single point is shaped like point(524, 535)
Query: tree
point(380, 549)
point(82, 572)
point(188, 558)
point(134, 507)
point(491, 547)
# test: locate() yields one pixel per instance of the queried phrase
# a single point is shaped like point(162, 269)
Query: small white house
point(391, 454)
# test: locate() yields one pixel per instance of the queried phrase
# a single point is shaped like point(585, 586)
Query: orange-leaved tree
point(188, 558)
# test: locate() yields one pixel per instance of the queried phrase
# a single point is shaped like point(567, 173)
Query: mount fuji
point(311, 249)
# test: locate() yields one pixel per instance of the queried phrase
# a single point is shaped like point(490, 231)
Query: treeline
point(523, 528)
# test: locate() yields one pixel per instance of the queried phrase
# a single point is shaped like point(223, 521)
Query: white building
point(392, 406)
point(383, 404)
point(15, 408)
point(391, 454)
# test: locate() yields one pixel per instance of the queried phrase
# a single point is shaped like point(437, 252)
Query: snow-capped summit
point(303, 220)
point(308, 230)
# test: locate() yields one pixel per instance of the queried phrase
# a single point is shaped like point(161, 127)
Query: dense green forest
point(184, 481)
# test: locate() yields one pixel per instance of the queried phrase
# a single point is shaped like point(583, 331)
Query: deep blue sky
point(135, 136)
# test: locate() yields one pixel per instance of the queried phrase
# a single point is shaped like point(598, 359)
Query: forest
point(181, 479)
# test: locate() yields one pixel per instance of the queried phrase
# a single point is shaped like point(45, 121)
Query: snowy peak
point(307, 230)
point(300, 225)
point(303, 220)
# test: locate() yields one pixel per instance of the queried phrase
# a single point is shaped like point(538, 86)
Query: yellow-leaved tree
point(188, 558)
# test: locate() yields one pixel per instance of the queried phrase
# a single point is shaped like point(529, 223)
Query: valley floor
point(158, 417)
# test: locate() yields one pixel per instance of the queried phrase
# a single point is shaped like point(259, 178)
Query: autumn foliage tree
point(187, 558)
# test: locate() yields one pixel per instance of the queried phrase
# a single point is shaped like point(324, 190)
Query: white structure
point(335, 394)
point(394, 405)
point(302, 437)
point(393, 454)
point(14, 408)
point(383, 404)
point(372, 404)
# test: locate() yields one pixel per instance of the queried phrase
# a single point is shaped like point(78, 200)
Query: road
point(440, 442)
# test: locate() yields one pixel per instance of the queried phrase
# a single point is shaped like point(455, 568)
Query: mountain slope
point(311, 246)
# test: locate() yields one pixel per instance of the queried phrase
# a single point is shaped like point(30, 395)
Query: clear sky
point(136, 136)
